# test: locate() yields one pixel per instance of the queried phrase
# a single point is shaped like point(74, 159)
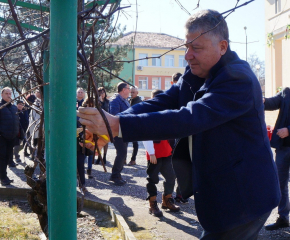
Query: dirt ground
point(130, 201)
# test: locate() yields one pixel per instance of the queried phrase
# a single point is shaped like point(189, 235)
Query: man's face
point(6, 95)
point(134, 93)
point(126, 91)
point(203, 53)
point(38, 95)
point(80, 94)
point(20, 106)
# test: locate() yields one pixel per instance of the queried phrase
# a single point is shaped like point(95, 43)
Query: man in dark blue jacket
point(223, 155)
point(281, 142)
point(118, 104)
point(9, 129)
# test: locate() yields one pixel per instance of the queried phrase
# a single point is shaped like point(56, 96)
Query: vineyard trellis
point(24, 53)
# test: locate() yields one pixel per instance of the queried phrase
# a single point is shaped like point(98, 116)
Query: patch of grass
point(16, 224)
point(111, 233)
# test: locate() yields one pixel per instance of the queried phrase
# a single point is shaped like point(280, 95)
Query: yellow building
point(154, 73)
point(277, 59)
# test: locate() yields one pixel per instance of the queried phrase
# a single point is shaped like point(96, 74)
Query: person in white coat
point(34, 123)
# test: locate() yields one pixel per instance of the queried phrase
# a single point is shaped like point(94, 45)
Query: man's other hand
point(153, 159)
point(283, 132)
point(92, 119)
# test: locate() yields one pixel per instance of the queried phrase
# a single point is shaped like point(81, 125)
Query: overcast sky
point(166, 16)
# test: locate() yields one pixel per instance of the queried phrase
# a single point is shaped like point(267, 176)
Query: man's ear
point(223, 46)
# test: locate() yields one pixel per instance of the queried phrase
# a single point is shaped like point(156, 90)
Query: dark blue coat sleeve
point(229, 97)
point(115, 107)
point(163, 101)
point(273, 103)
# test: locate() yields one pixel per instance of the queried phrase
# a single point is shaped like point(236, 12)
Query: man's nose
point(189, 54)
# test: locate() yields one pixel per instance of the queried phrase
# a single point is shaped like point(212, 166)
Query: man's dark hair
point(121, 86)
point(19, 101)
point(176, 76)
point(156, 92)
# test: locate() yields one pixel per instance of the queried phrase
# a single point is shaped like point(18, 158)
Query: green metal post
point(46, 122)
point(62, 157)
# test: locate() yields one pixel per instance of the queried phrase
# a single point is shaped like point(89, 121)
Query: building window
point(156, 83)
point(156, 61)
point(143, 82)
point(277, 6)
point(143, 62)
point(169, 60)
point(167, 83)
point(181, 61)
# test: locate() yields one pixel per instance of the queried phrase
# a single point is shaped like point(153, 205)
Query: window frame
point(182, 58)
point(159, 82)
point(167, 79)
point(278, 6)
point(144, 62)
point(157, 60)
point(140, 87)
point(167, 60)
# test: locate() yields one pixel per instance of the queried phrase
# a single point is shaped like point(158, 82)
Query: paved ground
point(130, 201)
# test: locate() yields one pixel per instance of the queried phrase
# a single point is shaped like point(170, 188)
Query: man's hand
point(283, 132)
point(90, 143)
point(92, 119)
point(153, 159)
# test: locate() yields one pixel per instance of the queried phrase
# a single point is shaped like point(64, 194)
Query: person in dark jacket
point(24, 122)
point(281, 142)
point(118, 104)
point(30, 99)
point(178, 198)
point(135, 99)
point(105, 103)
point(9, 129)
point(223, 155)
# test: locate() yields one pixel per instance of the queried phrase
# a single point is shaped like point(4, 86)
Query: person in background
point(281, 142)
point(80, 155)
point(118, 104)
point(89, 154)
point(105, 103)
point(24, 121)
point(158, 154)
point(34, 123)
point(135, 99)
point(9, 129)
point(30, 98)
point(80, 97)
point(175, 77)
point(81, 161)
point(178, 198)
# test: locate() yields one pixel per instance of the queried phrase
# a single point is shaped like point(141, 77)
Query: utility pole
point(245, 28)
point(246, 43)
